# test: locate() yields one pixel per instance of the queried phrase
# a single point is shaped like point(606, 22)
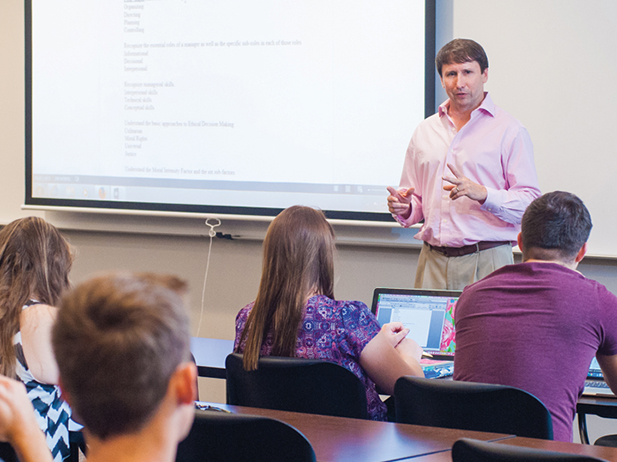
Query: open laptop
point(427, 313)
point(595, 384)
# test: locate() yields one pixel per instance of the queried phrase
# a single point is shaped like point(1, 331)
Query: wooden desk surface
point(337, 439)
point(598, 405)
point(210, 357)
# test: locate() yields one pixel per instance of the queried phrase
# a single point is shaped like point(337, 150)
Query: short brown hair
point(461, 51)
point(35, 260)
point(555, 226)
point(118, 339)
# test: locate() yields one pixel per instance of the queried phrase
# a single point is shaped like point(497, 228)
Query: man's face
point(464, 84)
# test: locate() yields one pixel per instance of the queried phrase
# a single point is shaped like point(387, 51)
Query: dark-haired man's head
point(555, 227)
point(122, 344)
point(460, 51)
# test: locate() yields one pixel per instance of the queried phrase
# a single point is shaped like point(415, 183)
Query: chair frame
point(471, 406)
point(470, 450)
point(226, 437)
point(296, 384)
point(7, 453)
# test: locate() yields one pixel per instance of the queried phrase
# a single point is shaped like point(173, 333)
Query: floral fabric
point(335, 331)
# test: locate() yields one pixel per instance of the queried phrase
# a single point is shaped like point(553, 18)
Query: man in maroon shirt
point(538, 324)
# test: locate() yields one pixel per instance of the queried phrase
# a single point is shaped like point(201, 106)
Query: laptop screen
point(594, 370)
point(427, 313)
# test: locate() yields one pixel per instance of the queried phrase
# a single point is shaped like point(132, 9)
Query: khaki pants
point(436, 271)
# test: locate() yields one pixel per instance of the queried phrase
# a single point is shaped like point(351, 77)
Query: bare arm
point(18, 424)
point(608, 364)
point(36, 324)
point(384, 363)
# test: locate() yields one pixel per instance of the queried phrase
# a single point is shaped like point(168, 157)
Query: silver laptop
point(595, 384)
point(427, 313)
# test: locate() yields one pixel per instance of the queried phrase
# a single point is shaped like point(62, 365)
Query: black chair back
point(469, 450)
point(218, 436)
point(471, 406)
point(295, 384)
point(7, 453)
point(607, 440)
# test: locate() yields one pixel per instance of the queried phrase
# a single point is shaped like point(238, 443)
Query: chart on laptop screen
point(428, 316)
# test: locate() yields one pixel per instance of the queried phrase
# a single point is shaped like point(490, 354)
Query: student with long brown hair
point(35, 260)
point(295, 313)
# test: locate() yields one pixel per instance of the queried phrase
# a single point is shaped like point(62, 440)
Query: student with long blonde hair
point(295, 313)
point(35, 261)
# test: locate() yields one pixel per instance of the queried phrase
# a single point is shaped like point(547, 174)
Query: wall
point(552, 66)
point(235, 265)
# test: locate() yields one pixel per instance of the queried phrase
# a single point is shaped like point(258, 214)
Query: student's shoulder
point(347, 305)
point(605, 297)
point(244, 312)
point(327, 308)
point(38, 315)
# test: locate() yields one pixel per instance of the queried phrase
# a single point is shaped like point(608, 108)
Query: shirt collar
point(487, 106)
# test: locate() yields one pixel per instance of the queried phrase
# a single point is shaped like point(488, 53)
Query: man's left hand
point(461, 186)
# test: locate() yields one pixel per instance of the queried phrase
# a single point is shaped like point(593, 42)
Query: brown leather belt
point(467, 249)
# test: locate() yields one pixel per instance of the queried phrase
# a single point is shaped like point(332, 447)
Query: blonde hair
point(298, 261)
point(35, 260)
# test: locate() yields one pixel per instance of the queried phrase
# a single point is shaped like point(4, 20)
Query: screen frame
point(84, 205)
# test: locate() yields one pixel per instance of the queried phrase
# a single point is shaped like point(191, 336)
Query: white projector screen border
point(99, 104)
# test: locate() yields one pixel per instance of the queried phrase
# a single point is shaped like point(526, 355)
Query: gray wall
point(235, 265)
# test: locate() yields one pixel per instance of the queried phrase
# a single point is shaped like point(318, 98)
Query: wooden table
point(337, 439)
point(597, 405)
point(210, 356)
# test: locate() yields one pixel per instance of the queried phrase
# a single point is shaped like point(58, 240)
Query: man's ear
point(184, 380)
point(519, 241)
point(65, 395)
point(581, 253)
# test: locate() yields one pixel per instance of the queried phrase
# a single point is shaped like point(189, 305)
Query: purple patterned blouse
point(335, 331)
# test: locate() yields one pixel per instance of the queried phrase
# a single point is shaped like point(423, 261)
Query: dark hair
point(555, 225)
point(35, 261)
point(118, 339)
point(461, 51)
point(298, 260)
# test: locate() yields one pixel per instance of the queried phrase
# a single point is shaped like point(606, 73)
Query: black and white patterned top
point(52, 413)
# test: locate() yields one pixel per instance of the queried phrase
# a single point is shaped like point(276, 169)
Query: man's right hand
point(399, 201)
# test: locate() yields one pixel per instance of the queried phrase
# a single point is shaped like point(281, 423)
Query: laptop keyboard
point(596, 384)
point(597, 388)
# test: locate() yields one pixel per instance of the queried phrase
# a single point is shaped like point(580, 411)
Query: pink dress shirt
point(492, 149)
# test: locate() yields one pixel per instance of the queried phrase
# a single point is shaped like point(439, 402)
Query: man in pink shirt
point(469, 175)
